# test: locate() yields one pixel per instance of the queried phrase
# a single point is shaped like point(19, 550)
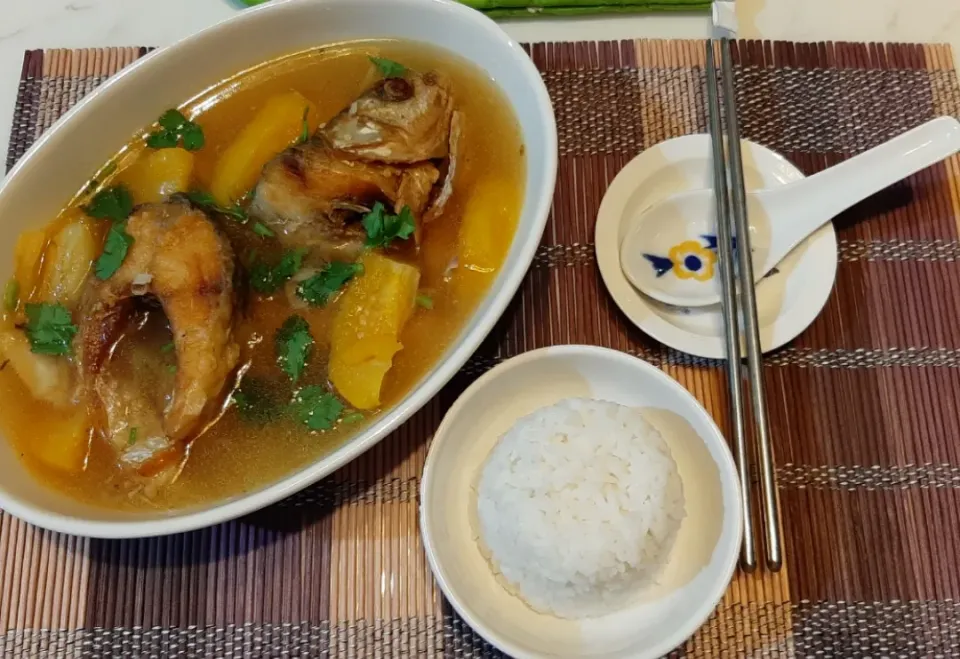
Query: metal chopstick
point(745, 302)
point(748, 307)
point(748, 552)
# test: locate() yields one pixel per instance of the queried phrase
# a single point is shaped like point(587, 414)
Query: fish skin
point(439, 204)
point(398, 121)
point(311, 198)
point(384, 147)
point(191, 271)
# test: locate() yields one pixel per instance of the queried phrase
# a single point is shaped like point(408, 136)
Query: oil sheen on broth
point(258, 434)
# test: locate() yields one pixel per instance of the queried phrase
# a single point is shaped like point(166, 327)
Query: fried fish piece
point(400, 121)
point(179, 258)
point(310, 198)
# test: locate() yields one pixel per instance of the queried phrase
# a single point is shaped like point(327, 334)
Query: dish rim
point(725, 464)
point(469, 339)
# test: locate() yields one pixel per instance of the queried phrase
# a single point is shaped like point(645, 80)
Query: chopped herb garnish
point(173, 120)
point(193, 139)
point(11, 295)
point(167, 348)
point(317, 408)
point(133, 436)
point(267, 279)
point(113, 203)
point(305, 128)
point(294, 345)
point(206, 201)
point(50, 329)
point(171, 368)
point(263, 231)
point(425, 301)
point(163, 139)
point(388, 68)
point(201, 198)
point(175, 127)
point(383, 228)
point(256, 402)
point(353, 417)
point(318, 289)
point(114, 251)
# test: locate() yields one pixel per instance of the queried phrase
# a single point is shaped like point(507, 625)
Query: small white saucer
point(703, 558)
point(787, 302)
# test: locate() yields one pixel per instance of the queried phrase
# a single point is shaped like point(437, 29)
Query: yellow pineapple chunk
point(27, 260)
point(47, 378)
point(157, 175)
point(366, 330)
point(67, 262)
point(275, 127)
point(486, 227)
point(61, 441)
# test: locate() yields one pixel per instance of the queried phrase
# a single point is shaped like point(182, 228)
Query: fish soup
point(252, 280)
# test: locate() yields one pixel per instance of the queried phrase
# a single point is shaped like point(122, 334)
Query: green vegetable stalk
point(533, 8)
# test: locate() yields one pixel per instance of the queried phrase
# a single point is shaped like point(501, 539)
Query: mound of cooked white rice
point(578, 506)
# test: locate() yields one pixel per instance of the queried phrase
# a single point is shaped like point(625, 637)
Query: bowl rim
point(725, 464)
point(431, 383)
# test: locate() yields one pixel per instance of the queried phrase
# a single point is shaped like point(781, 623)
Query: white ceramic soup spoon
point(670, 249)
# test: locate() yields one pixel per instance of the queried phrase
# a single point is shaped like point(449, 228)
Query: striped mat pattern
point(865, 405)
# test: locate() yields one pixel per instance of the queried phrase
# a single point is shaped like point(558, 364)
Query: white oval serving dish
point(70, 153)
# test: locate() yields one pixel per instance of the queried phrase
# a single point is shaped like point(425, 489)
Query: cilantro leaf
point(267, 279)
point(305, 129)
point(318, 289)
point(353, 417)
point(206, 201)
point(133, 436)
point(50, 329)
point(294, 345)
point(317, 408)
point(114, 251)
point(425, 301)
point(373, 224)
point(193, 139)
point(114, 204)
point(263, 230)
point(201, 198)
point(256, 401)
point(11, 295)
point(402, 225)
point(173, 120)
point(174, 127)
point(383, 228)
point(162, 139)
point(389, 68)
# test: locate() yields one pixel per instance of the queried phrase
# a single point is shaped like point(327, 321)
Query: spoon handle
point(816, 200)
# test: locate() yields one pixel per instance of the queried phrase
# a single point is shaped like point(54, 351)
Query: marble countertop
point(90, 23)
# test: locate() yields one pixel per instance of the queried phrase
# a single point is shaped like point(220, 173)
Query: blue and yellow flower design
point(688, 260)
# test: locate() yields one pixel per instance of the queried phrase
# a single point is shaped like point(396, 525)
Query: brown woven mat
point(865, 405)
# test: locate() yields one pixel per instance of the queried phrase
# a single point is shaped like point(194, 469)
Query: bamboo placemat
point(865, 405)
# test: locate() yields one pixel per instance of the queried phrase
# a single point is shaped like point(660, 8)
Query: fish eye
point(395, 90)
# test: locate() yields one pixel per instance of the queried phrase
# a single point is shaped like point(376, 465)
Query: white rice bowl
point(578, 506)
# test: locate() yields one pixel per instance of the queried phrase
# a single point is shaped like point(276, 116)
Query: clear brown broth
point(234, 456)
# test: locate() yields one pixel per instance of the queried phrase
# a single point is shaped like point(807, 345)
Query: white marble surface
point(88, 23)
